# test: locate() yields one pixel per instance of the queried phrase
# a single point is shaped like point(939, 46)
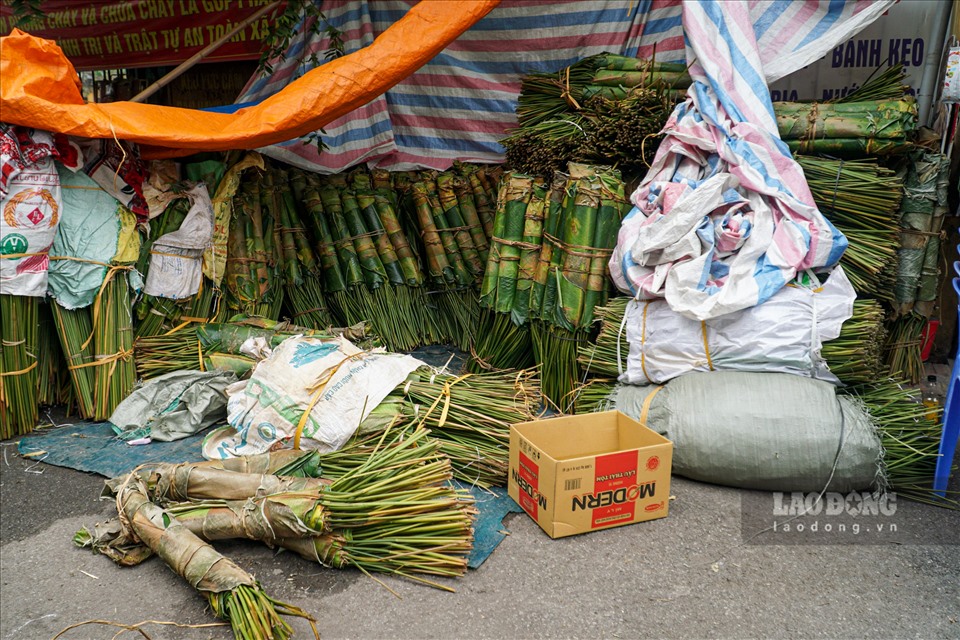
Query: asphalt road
point(701, 572)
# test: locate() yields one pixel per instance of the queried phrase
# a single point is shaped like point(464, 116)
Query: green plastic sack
point(770, 431)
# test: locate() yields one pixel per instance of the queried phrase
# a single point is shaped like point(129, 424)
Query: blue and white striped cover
point(724, 218)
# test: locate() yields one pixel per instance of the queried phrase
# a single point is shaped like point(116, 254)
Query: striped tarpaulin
point(724, 218)
point(462, 102)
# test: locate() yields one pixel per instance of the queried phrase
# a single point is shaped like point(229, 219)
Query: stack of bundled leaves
point(605, 109)
point(383, 504)
point(254, 274)
point(578, 237)
point(875, 120)
point(503, 336)
point(548, 265)
point(451, 212)
point(368, 267)
point(916, 289)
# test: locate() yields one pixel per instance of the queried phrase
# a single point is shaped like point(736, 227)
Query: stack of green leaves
point(847, 129)
point(303, 291)
point(503, 337)
point(861, 199)
point(450, 274)
point(18, 364)
point(922, 211)
point(253, 277)
point(586, 223)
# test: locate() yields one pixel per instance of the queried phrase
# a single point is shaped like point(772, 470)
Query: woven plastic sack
point(336, 384)
point(784, 334)
point(761, 431)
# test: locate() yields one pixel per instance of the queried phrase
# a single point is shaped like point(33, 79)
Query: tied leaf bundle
point(588, 221)
point(18, 364)
point(904, 358)
point(876, 120)
point(922, 211)
point(449, 274)
point(856, 355)
point(233, 594)
point(253, 274)
point(503, 339)
point(861, 199)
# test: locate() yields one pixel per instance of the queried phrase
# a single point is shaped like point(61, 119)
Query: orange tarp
point(39, 88)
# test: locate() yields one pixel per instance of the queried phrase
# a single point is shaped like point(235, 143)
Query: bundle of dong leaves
point(383, 504)
point(605, 109)
point(399, 251)
point(547, 272)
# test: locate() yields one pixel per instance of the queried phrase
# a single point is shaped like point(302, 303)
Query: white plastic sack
point(176, 258)
point(266, 409)
point(784, 334)
point(30, 203)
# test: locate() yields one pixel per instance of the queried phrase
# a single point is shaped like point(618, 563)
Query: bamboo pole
point(203, 53)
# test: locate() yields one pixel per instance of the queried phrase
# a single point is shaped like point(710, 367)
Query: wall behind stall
point(911, 32)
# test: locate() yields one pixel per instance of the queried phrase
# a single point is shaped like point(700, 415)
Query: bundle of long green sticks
point(606, 355)
point(18, 364)
point(910, 434)
point(217, 345)
point(470, 415)
point(579, 236)
point(53, 378)
point(454, 246)
point(861, 198)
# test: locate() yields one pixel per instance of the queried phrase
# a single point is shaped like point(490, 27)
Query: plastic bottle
point(931, 398)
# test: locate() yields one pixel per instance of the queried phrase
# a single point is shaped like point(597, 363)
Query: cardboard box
point(588, 472)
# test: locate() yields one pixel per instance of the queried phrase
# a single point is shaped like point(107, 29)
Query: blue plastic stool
point(951, 414)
